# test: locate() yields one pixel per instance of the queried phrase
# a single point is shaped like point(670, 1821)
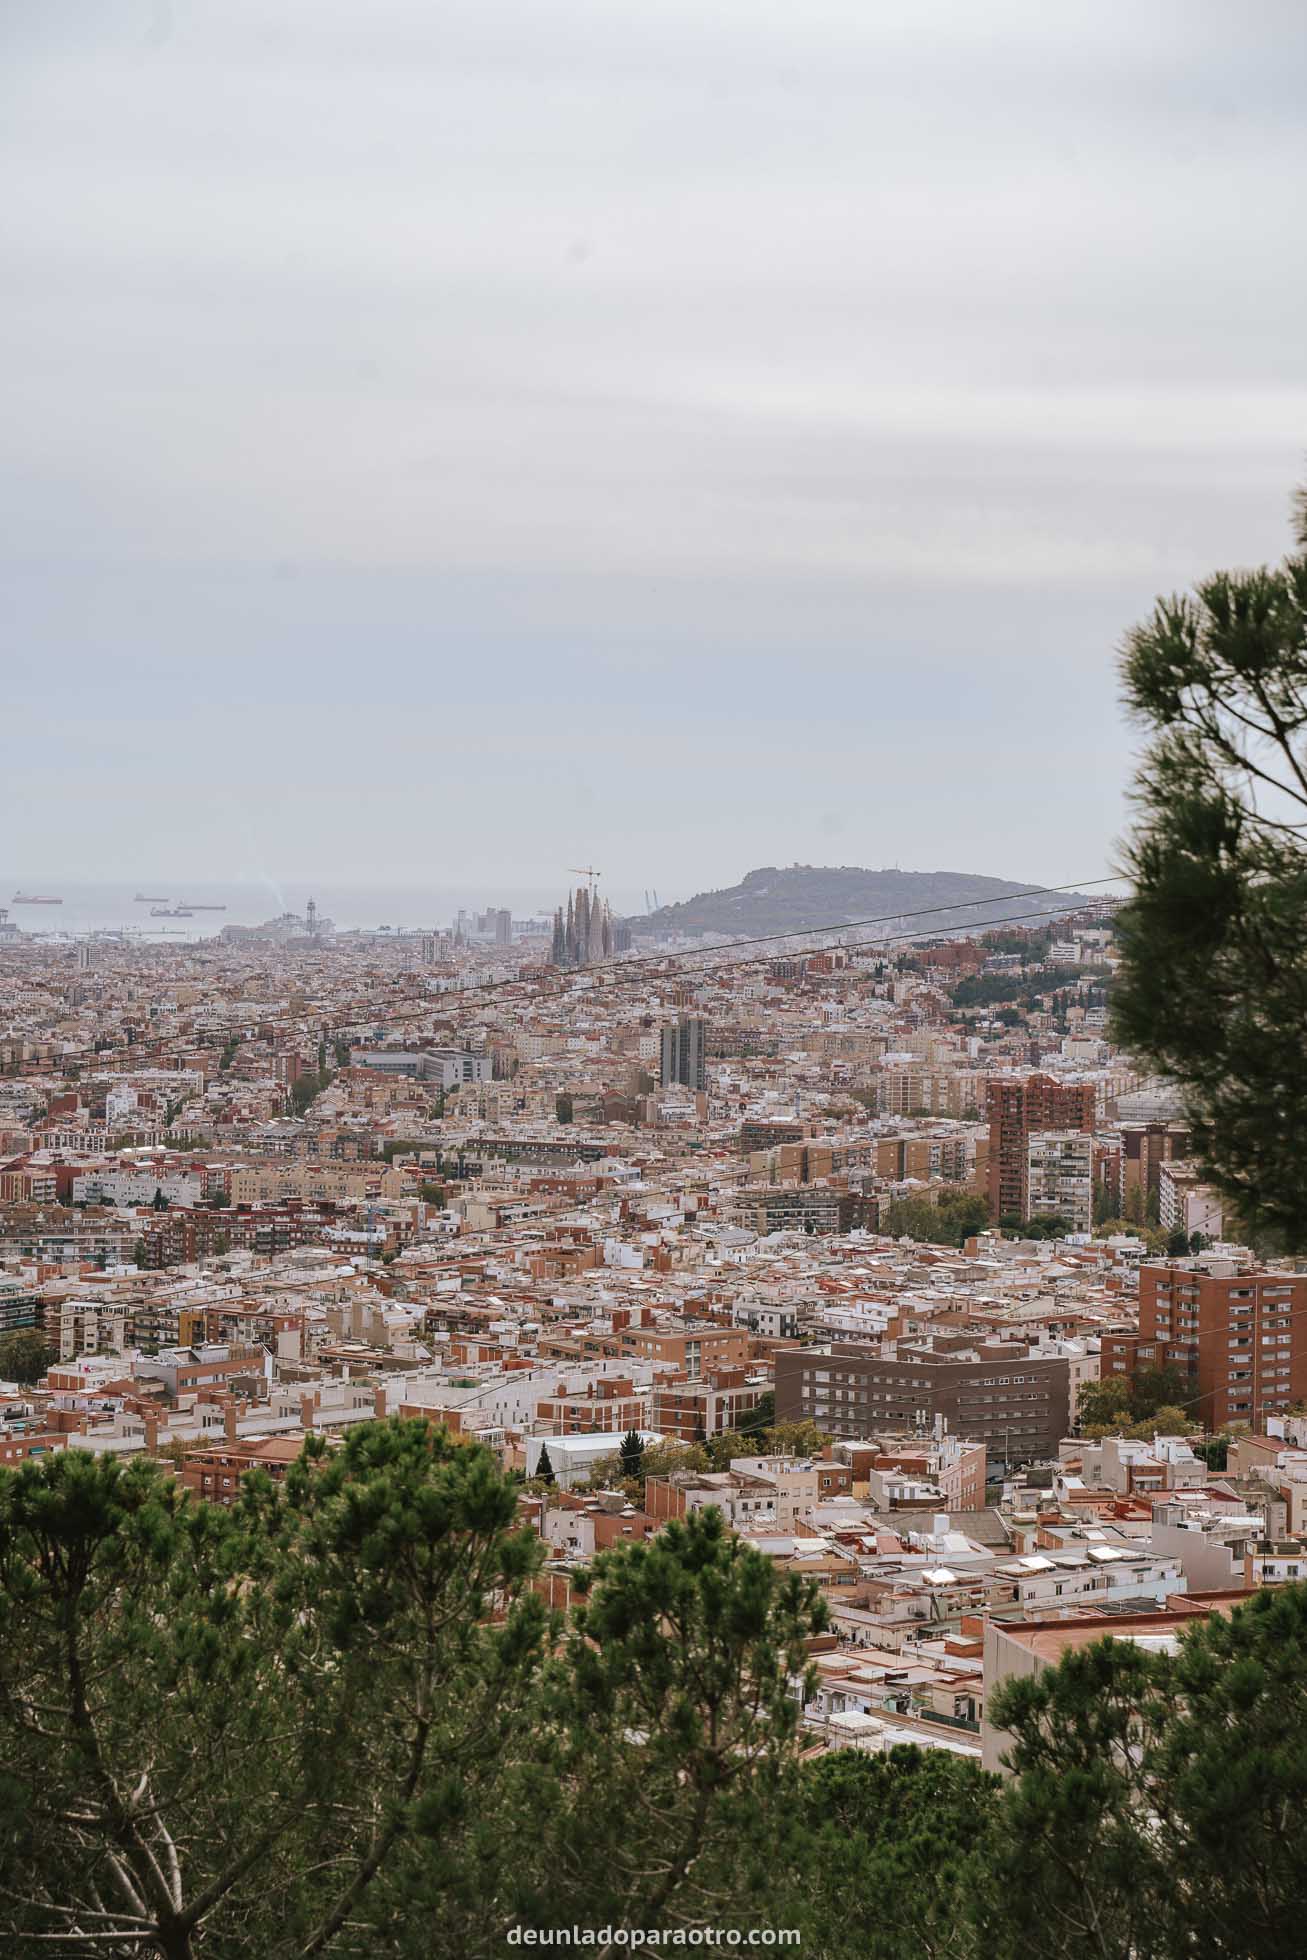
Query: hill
point(803, 897)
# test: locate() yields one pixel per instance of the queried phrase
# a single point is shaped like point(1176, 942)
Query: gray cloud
point(759, 422)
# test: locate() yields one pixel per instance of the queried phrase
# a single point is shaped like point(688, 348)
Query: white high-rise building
point(1060, 1171)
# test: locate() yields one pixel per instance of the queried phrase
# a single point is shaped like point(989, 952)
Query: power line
point(620, 969)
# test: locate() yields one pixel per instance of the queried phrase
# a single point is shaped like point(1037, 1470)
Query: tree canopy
point(25, 1354)
point(1148, 1811)
point(229, 1730)
point(1111, 1405)
point(337, 1719)
point(958, 1216)
point(1212, 991)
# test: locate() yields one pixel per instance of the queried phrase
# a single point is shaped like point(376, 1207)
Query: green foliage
point(1044, 1226)
point(225, 1731)
point(760, 1417)
point(1103, 1407)
point(336, 1717)
point(1212, 992)
point(1116, 1404)
point(958, 1216)
point(1132, 1228)
point(1152, 1389)
point(880, 1860)
point(631, 1455)
point(987, 989)
point(687, 1641)
point(662, 1459)
point(25, 1354)
point(544, 1469)
point(563, 1110)
point(306, 1088)
point(1149, 1814)
point(793, 1439)
point(1169, 1420)
point(431, 1194)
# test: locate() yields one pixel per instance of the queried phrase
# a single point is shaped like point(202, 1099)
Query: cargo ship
point(169, 912)
point(193, 907)
point(30, 898)
point(143, 898)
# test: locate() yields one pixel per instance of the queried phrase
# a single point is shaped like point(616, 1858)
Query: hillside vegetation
point(802, 897)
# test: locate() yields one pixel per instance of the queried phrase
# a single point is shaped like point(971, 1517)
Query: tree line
point(338, 1718)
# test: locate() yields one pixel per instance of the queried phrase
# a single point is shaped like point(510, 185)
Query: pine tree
point(1149, 1811)
point(631, 1455)
point(544, 1467)
point(255, 1769)
point(1212, 991)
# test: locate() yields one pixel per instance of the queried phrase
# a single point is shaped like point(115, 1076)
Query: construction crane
point(585, 871)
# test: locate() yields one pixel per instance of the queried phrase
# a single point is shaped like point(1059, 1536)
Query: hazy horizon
point(462, 443)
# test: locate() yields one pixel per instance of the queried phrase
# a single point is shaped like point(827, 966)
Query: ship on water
point(169, 912)
point(31, 898)
point(143, 898)
point(192, 906)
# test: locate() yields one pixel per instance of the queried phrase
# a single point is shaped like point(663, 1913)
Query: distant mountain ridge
point(805, 897)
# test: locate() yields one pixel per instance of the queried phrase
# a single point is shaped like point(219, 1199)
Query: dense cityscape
point(887, 1253)
point(653, 980)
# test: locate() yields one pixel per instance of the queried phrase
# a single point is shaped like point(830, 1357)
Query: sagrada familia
point(584, 934)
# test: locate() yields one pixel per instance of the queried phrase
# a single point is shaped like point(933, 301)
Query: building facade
point(1018, 1108)
point(1016, 1402)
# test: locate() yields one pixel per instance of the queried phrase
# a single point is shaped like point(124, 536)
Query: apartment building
point(1060, 1177)
point(910, 1090)
point(609, 1403)
point(1186, 1204)
point(1145, 1148)
point(1018, 1109)
point(800, 1208)
point(1014, 1400)
point(682, 1054)
point(697, 1351)
point(1240, 1334)
point(916, 1470)
point(721, 1401)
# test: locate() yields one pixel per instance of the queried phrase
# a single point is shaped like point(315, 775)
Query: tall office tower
point(428, 949)
point(683, 1053)
point(1017, 1109)
point(503, 928)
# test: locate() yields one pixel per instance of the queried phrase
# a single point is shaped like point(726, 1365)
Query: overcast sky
point(458, 439)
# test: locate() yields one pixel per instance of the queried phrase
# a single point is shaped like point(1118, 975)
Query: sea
point(125, 910)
